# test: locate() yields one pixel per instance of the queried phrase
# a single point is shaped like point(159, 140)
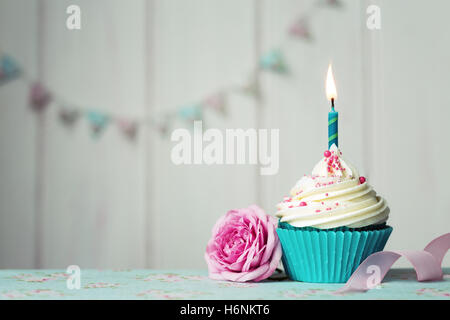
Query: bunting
point(69, 114)
point(274, 61)
point(39, 96)
point(300, 29)
point(8, 69)
point(217, 102)
point(98, 122)
point(252, 88)
point(334, 3)
point(191, 112)
point(128, 127)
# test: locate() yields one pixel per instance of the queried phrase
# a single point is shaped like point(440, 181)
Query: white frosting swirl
point(333, 196)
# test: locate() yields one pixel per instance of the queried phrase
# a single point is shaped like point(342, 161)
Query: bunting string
point(41, 97)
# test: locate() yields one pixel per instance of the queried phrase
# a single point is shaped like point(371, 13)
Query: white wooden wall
point(409, 139)
point(109, 203)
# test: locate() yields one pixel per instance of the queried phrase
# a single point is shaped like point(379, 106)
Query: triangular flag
point(8, 65)
point(68, 115)
point(331, 3)
point(273, 61)
point(217, 102)
point(163, 128)
point(8, 69)
point(128, 127)
point(162, 123)
point(39, 96)
point(191, 112)
point(98, 121)
point(334, 3)
point(252, 87)
point(300, 29)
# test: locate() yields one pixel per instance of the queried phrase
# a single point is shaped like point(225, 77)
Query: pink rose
point(244, 246)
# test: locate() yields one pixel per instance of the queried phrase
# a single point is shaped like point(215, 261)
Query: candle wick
point(332, 103)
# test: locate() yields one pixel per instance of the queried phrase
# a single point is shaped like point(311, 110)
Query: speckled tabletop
point(194, 284)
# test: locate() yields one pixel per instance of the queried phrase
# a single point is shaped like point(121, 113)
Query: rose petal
point(246, 276)
point(270, 244)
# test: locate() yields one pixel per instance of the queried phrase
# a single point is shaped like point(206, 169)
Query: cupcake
point(331, 222)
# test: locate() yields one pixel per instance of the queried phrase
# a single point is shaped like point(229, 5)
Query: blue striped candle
point(332, 115)
point(332, 127)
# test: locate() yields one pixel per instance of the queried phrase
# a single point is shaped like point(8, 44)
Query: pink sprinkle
point(322, 202)
point(327, 154)
point(317, 210)
point(328, 208)
point(337, 203)
point(291, 206)
point(302, 204)
point(326, 194)
point(362, 179)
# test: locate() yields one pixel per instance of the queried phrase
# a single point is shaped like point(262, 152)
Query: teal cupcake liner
point(331, 255)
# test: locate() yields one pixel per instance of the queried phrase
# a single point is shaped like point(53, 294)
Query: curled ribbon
point(427, 264)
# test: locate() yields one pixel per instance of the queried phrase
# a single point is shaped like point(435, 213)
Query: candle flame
point(330, 85)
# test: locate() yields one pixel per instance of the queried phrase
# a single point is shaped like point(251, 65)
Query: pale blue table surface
point(194, 284)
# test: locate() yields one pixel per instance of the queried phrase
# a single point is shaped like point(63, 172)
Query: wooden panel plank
point(17, 137)
point(200, 46)
point(93, 188)
point(411, 121)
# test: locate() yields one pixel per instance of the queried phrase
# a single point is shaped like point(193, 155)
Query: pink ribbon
point(427, 264)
